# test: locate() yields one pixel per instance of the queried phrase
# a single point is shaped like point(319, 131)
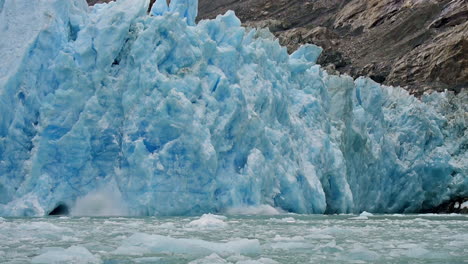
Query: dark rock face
point(422, 45)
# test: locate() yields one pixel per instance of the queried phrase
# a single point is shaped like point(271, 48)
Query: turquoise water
point(236, 239)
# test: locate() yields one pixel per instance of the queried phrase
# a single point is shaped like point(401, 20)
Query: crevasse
point(164, 116)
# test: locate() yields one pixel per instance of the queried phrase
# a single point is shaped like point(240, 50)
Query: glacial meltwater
point(285, 238)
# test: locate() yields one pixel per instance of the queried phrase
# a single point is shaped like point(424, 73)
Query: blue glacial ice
point(164, 116)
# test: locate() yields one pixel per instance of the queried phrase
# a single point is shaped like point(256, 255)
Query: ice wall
point(185, 118)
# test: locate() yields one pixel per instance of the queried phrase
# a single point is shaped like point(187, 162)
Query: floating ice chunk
point(239, 259)
point(418, 252)
point(148, 260)
point(366, 214)
point(211, 259)
point(330, 247)
point(436, 215)
point(43, 227)
point(43, 230)
point(459, 240)
point(295, 238)
point(287, 243)
point(318, 235)
point(140, 244)
point(73, 254)
point(168, 225)
point(360, 217)
point(290, 245)
point(258, 261)
point(284, 220)
point(398, 215)
point(361, 253)
point(209, 221)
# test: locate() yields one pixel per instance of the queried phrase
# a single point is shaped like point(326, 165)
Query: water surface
point(236, 239)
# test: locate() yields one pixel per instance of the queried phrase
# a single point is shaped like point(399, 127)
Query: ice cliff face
point(161, 116)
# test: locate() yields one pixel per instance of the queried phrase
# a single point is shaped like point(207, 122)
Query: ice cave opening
point(60, 210)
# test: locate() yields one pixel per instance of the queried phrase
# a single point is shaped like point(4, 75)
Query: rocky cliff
point(421, 45)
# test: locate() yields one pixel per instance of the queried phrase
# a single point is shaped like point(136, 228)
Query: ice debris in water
point(287, 243)
point(216, 259)
point(142, 244)
point(186, 118)
point(366, 214)
point(73, 254)
point(209, 221)
point(363, 216)
point(211, 259)
point(361, 253)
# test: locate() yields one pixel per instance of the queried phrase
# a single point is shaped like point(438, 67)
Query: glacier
point(161, 115)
